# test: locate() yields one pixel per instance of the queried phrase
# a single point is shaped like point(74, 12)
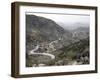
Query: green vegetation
point(67, 46)
point(51, 62)
point(76, 51)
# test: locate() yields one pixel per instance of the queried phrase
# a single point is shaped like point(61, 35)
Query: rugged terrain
point(49, 44)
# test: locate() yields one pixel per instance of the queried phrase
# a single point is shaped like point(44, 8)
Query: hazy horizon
point(67, 21)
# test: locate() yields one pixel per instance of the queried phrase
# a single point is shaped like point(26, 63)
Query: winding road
point(32, 52)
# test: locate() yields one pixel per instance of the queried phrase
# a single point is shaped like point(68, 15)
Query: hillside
point(49, 44)
point(41, 31)
point(78, 51)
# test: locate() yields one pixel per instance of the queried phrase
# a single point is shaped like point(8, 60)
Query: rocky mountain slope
point(81, 33)
point(67, 46)
point(78, 51)
point(40, 30)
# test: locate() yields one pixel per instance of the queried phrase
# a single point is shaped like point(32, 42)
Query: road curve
point(32, 52)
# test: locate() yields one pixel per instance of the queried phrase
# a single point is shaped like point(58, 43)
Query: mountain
point(80, 33)
point(78, 30)
point(42, 30)
point(67, 46)
point(73, 26)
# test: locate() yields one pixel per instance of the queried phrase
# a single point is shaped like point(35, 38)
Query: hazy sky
point(66, 20)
